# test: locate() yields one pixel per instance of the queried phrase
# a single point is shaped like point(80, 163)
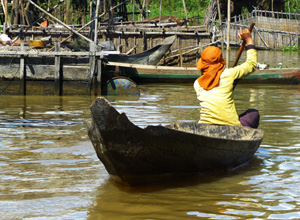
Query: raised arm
point(246, 36)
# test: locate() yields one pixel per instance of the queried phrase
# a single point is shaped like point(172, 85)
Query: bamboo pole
point(264, 42)
point(67, 18)
point(4, 6)
point(91, 6)
point(160, 12)
point(22, 13)
point(186, 16)
point(180, 58)
point(16, 12)
point(92, 63)
point(220, 21)
point(92, 27)
point(289, 9)
point(147, 8)
point(132, 10)
point(26, 17)
point(6, 14)
point(144, 2)
point(22, 73)
point(57, 75)
point(228, 35)
point(96, 22)
point(99, 77)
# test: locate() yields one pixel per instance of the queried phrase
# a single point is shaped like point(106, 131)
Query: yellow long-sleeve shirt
point(217, 104)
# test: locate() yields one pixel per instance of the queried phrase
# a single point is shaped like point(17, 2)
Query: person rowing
point(215, 86)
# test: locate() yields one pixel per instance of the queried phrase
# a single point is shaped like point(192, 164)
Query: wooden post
point(274, 40)
point(83, 7)
point(6, 13)
point(135, 44)
point(261, 39)
point(142, 9)
point(180, 60)
point(220, 21)
point(15, 12)
point(160, 12)
point(186, 16)
point(144, 40)
point(96, 23)
point(92, 67)
point(199, 51)
point(67, 17)
point(99, 77)
point(132, 10)
point(91, 11)
point(58, 78)
point(92, 27)
point(22, 73)
point(147, 8)
point(228, 36)
point(151, 42)
point(5, 16)
point(289, 10)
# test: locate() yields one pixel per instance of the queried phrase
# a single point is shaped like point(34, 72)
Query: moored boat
point(136, 155)
point(152, 73)
point(148, 57)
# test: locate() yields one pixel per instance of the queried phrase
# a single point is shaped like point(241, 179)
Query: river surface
point(49, 169)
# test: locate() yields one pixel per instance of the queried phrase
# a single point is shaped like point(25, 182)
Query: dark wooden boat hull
point(136, 155)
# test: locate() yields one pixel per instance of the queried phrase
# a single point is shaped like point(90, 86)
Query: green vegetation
point(291, 6)
point(195, 8)
point(291, 48)
point(77, 11)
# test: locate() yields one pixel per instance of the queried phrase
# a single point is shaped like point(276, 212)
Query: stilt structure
point(211, 14)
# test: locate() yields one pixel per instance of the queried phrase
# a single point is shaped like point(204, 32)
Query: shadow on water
point(188, 180)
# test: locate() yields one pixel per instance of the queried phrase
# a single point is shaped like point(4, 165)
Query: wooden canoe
point(137, 155)
point(148, 57)
point(152, 73)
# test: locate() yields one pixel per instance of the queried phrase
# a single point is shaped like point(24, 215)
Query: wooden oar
point(242, 47)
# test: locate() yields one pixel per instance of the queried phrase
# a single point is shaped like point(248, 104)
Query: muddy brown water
point(49, 169)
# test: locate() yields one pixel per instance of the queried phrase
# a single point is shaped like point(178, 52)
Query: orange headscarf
point(211, 65)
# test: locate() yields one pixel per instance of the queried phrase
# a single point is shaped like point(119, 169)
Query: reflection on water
point(49, 170)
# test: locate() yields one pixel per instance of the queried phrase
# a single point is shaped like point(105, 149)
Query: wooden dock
point(56, 67)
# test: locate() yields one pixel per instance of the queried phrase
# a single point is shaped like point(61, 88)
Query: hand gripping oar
point(242, 47)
